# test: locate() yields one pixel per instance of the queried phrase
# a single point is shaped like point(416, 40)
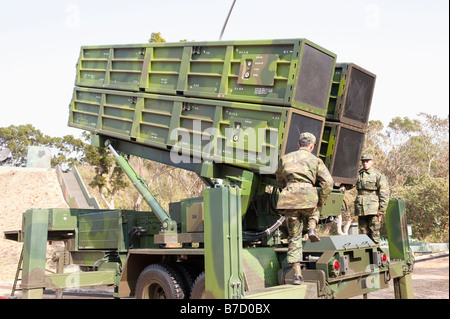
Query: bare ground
point(429, 280)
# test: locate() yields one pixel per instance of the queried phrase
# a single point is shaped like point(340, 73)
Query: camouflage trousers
point(370, 226)
point(295, 218)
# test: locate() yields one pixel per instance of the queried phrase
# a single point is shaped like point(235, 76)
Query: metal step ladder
point(18, 272)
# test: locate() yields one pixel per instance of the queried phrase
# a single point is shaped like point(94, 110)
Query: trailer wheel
point(198, 288)
point(186, 276)
point(159, 282)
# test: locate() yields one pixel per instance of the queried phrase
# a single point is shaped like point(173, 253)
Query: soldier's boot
point(298, 279)
point(312, 234)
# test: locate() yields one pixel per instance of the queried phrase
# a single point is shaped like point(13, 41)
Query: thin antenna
point(226, 21)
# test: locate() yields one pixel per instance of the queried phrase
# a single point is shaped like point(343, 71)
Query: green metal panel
point(148, 221)
point(340, 150)
point(351, 95)
point(192, 215)
point(281, 292)
point(62, 219)
point(245, 135)
point(288, 72)
point(333, 204)
point(116, 67)
point(361, 269)
point(165, 68)
point(34, 255)
point(332, 243)
point(358, 248)
point(80, 279)
point(100, 230)
point(261, 268)
point(403, 287)
point(359, 285)
point(223, 243)
point(396, 226)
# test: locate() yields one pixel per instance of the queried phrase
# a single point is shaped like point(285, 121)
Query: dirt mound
point(22, 189)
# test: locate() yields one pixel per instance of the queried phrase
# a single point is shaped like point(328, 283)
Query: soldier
point(299, 172)
point(372, 199)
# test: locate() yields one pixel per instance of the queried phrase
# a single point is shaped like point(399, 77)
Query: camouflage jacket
point(299, 172)
point(373, 193)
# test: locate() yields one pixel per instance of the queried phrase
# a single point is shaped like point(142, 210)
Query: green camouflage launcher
point(293, 72)
point(227, 111)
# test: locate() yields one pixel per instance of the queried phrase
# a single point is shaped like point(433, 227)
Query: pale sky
point(405, 43)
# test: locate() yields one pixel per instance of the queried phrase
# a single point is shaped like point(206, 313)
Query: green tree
point(414, 155)
point(375, 142)
point(432, 144)
point(427, 207)
point(18, 138)
point(109, 177)
point(66, 151)
point(398, 135)
point(156, 38)
point(416, 148)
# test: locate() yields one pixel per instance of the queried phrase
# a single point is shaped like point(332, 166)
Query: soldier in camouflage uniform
point(372, 199)
point(299, 172)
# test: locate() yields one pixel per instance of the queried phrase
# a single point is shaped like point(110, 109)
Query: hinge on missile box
point(187, 106)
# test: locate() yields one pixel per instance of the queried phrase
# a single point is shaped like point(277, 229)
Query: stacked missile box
point(347, 120)
point(243, 103)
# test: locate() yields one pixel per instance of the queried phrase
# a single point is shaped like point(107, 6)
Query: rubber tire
point(187, 277)
point(159, 281)
point(198, 288)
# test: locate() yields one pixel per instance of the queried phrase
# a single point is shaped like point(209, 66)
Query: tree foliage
point(66, 151)
point(156, 38)
point(427, 208)
point(109, 178)
point(414, 156)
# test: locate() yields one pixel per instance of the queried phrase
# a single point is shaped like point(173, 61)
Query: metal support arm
point(167, 223)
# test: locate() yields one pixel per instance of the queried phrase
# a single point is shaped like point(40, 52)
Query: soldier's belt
point(299, 184)
point(366, 192)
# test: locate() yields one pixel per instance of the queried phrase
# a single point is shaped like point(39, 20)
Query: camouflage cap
point(366, 157)
point(307, 137)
